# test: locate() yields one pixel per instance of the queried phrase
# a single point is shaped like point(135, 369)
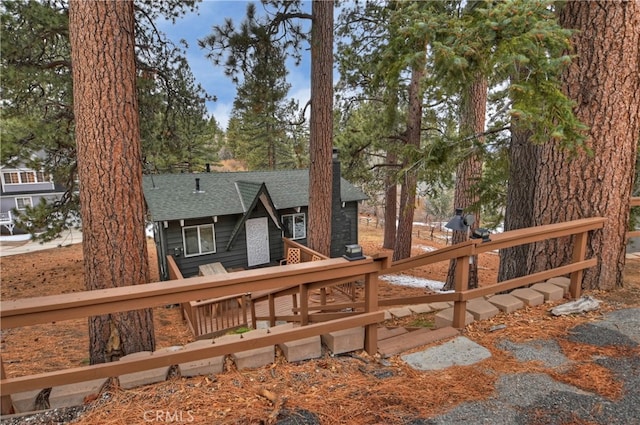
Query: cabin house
point(240, 218)
point(23, 187)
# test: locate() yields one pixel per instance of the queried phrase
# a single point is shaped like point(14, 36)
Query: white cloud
point(221, 112)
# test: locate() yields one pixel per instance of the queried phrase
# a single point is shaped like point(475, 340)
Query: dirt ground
point(341, 389)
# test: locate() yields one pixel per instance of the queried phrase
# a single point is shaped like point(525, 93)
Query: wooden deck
point(213, 317)
point(284, 304)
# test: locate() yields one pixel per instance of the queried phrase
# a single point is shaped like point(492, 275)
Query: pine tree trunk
point(321, 127)
point(523, 168)
point(408, 190)
point(390, 203)
point(110, 169)
point(604, 81)
point(469, 173)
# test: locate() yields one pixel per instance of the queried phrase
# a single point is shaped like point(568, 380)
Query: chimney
point(337, 213)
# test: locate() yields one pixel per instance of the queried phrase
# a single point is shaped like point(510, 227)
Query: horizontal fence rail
point(294, 278)
point(32, 311)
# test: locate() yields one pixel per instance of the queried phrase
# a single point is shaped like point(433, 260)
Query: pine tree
point(596, 180)
point(110, 169)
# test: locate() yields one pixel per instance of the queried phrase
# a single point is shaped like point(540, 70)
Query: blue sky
point(195, 26)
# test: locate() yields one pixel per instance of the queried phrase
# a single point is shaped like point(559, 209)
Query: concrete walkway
point(21, 244)
point(537, 398)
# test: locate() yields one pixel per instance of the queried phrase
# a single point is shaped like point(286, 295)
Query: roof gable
point(253, 193)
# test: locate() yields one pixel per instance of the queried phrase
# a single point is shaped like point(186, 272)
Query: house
point(24, 187)
point(240, 218)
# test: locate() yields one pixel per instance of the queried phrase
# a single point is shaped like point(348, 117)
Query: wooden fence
point(306, 276)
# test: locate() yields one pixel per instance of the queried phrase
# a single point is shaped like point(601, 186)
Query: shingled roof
point(174, 197)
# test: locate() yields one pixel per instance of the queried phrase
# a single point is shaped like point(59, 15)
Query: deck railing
point(214, 316)
point(26, 312)
point(347, 288)
point(5, 217)
point(306, 276)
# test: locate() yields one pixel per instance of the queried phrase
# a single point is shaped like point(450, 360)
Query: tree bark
point(604, 81)
point(469, 172)
point(390, 203)
point(523, 168)
point(321, 127)
point(408, 190)
point(110, 169)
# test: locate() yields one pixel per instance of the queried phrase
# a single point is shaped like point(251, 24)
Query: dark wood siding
point(235, 257)
point(345, 232)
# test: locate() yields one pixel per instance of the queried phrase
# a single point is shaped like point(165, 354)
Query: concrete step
point(507, 303)
point(550, 291)
point(563, 282)
point(203, 367)
point(420, 308)
point(445, 318)
point(400, 312)
point(408, 340)
point(528, 296)
point(440, 305)
point(255, 358)
point(302, 349)
point(145, 377)
point(481, 309)
point(74, 394)
point(345, 340)
point(25, 401)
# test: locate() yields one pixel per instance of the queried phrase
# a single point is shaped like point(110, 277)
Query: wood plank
point(211, 269)
point(386, 333)
point(397, 344)
point(30, 311)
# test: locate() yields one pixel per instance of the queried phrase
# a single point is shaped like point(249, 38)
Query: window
point(295, 226)
point(28, 177)
point(198, 240)
point(41, 177)
point(11, 178)
point(23, 203)
point(23, 177)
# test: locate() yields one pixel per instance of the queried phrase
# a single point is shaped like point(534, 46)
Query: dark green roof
point(173, 196)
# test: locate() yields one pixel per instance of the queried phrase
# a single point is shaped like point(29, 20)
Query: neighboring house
point(239, 218)
point(24, 187)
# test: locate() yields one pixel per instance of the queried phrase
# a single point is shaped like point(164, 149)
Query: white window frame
point(5, 173)
point(200, 251)
point(23, 198)
point(294, 236)
point(36, 177)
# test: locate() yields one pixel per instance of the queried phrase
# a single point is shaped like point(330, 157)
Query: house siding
point(227, 196)
point(235, 257)
point(345, 232)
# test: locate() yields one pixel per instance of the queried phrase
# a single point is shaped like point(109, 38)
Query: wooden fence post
point(6, 408)
point(370, 305)
point(461, 284)
point(579, 254)
point(304, 305)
